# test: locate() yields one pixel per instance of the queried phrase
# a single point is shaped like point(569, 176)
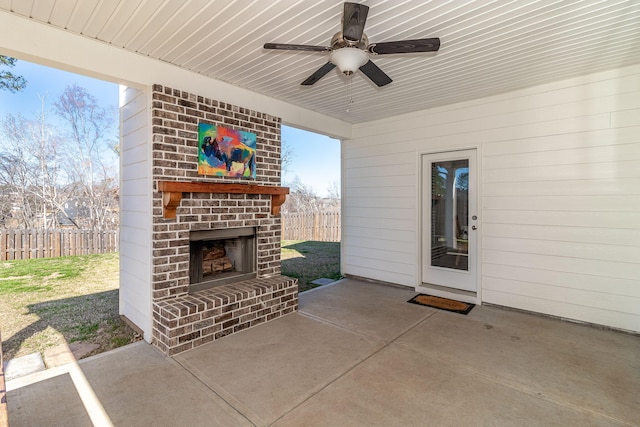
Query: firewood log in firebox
point(214, 252)
point(215, 260)
point(217, 266)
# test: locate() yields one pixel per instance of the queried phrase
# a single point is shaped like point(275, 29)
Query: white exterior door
point(450, 220)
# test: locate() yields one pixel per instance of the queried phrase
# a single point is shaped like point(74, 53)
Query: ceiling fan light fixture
point(348, 59)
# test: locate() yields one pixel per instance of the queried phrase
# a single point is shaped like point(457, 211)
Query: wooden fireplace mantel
point(173, 193)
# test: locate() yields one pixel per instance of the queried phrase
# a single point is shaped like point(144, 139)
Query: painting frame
point(226, 152)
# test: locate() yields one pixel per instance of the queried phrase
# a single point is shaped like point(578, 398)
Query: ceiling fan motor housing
point(338, 41)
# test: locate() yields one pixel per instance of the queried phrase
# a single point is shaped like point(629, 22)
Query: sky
point(50, 82)
point(315, 159)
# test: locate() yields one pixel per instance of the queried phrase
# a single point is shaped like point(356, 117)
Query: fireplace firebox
point(220, 257)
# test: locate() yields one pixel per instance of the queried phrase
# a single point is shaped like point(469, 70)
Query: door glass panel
point(450, 214)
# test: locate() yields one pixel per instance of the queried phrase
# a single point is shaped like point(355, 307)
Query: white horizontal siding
point(135, 208)
point(384, 170)
point(623, 220)
point(390, 235)
point(379, 202)
point(625, 118)
point(136, 154)
point(613, 203)
point(590, 87)
point(599, 268)
point(563, 249)
point(560, 195)
point(382, 214)
point(135, 187)
point(388, 223)
point(134, 171)
point(400, 249)
point(135, 252)
point(381, 274)
point(586, 155)
point(565, 309)
point(581, 297)
point(386, 191)
point(396, 257)
point(578, 234)
point(381, 181)
point(611, 136)
point(561, 279)
point(399, 160)
point(579, 187)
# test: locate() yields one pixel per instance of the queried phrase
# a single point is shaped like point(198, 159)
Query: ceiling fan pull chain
point(350, 92)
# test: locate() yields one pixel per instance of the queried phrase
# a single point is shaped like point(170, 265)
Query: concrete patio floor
point(356, 354)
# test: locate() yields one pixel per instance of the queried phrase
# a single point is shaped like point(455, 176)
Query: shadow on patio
point(355, 354)
point(91, 318)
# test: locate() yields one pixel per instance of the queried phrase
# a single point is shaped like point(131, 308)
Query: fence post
point(19, 246)
point(57, 243)
point(3, 245)
point(33, 243)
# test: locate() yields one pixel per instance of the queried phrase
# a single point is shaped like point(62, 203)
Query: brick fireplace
point(189, 208)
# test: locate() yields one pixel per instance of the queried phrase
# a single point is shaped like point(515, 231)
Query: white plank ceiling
point(488, 47)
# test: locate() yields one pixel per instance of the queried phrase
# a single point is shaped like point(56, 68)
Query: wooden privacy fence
point(322, 227)
point(33, 243)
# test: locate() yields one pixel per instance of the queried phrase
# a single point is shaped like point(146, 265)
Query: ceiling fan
point(350, 48)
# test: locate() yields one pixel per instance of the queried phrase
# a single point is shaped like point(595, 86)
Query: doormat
point(442, 303)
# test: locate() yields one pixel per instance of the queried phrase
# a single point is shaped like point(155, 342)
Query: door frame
point(437, 290)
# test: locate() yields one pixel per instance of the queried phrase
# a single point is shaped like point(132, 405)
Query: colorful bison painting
point(226, 152)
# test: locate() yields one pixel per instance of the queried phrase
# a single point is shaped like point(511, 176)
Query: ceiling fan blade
point(376, 75)
point(305, 47)
point(406, 46)
point(318, 74)
point(353, 20)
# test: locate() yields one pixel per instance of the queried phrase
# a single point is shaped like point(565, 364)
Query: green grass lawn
point(38, 275)
point(51, 301)
point(309, 260)
point(47, 302)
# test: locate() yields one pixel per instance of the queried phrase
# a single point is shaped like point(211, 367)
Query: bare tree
point(48, 157)
point(333, 201)
point(301, 198)
point(47, 174)
point(287, 153)
point(6, 203)
point(334, 190)
point(16, 171)
point(90, 155)
point(29, 170)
